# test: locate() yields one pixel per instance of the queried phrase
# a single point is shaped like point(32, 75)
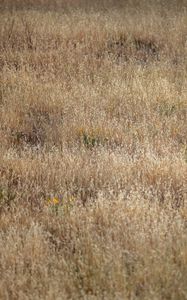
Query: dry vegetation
point(93, 103)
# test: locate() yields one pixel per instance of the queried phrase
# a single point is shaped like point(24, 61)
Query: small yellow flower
point(53, 201)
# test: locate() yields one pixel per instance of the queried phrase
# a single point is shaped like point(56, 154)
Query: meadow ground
point(93, 152)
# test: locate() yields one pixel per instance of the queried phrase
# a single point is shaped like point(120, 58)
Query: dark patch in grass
point(124, 49)
point(148, 46)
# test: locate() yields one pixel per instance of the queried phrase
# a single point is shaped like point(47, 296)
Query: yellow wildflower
point(53, 201)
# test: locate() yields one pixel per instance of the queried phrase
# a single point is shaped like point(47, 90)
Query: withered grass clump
point(93, 152)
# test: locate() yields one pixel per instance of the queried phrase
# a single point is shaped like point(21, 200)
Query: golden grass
point(93, 153)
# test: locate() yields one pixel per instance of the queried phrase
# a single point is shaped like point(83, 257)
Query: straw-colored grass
point(93, 152)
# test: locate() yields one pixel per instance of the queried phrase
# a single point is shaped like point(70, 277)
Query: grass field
point(93, 150)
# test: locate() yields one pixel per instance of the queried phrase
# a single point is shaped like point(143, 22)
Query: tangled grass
point(93, 123)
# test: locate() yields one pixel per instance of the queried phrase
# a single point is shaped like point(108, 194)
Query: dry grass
point(93, 112)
